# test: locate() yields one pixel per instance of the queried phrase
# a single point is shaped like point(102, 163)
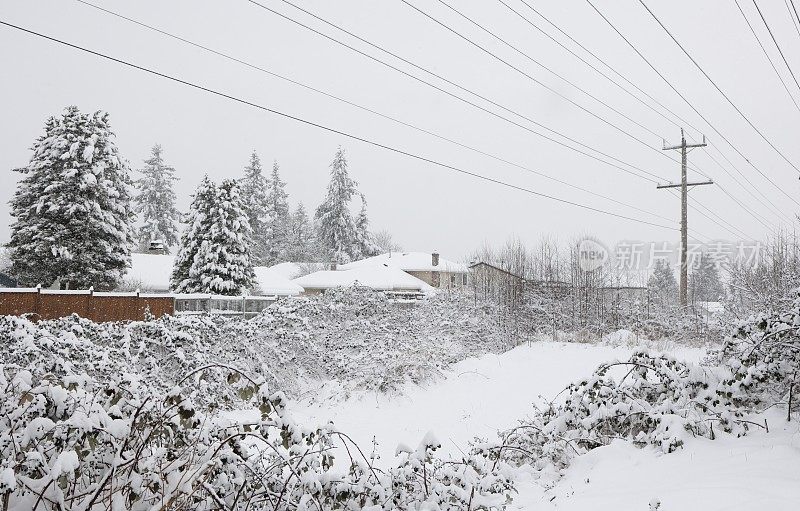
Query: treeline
point(78, 214)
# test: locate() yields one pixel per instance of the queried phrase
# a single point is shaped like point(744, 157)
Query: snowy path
point(480, 396)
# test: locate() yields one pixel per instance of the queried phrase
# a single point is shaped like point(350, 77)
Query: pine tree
point(705, 284)
point(336, 229)
point(254, 189)
point(215, 248)
point(72, 208)
point(198, 227)
point(367, 247)
point(278, 220)
point(662, 284)
point(301, 244)
point(222, 264)
point(156, 202)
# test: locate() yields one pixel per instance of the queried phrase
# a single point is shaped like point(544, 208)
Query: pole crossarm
point(678, 185)
point(665, 147)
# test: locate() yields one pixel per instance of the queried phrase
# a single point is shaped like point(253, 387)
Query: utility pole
point(684, 186)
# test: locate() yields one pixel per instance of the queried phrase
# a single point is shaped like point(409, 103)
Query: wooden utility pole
point(684, 186)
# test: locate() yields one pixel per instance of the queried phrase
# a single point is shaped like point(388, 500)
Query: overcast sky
point(424, 206)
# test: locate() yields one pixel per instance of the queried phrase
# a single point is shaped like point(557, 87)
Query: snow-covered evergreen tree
point(254, 189)
point(156, 202)
point(72, 208)
point(367, 247)
point(223, 262)
point(301, 244)
point(278, 218)
point(662, 284)
point(220, 240)
point(705, 284)
point(336, 230)
point(197, 230)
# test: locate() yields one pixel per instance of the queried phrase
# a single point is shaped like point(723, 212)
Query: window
point(464, 279)
point(452, 280)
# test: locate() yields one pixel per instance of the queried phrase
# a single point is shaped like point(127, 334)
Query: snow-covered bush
point(75, 442)
point(763, 354)
point(648, 400)
point(352, 336)
point(657, 400)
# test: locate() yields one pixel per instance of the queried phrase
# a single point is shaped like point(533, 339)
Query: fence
point(245, 306)
point(101, 306)
point(97, 306)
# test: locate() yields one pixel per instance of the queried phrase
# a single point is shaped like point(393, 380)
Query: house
point(430, 268)
point(488, 280)
point(380, 277)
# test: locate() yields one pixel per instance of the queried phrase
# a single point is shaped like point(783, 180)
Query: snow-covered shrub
point(75, 442)
point(352, 336)
point(127, 415)
point(478, 481)
point(648, 400)
point(763, 354)
point(657, 400)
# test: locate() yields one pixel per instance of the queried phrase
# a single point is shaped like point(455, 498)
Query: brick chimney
point(435, 259)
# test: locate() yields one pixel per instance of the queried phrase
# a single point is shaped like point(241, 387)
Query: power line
point(518, 70)
point(764, 50)
point(700, 68)
point(446, 80)
point(653, 177)
point(761, 14)
point(527, 75)
point(549, 70)
point(623, 77)
point(327, 128)
point(495, 56)
point(792, 15)
point(337, 98)
point(603, 62)
point(705, 119)
point(364, 108)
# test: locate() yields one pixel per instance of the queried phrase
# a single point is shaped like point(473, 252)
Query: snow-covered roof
point(150, 272)
point(381, 277)
point(409, 261)
point(292, 270)
point(273, 282)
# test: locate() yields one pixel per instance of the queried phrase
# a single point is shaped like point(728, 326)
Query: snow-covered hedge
point(352, 336)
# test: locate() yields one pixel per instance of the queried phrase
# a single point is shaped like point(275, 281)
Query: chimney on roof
point(435, 259)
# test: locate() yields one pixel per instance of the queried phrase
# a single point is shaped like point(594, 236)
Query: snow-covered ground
point(482, 395)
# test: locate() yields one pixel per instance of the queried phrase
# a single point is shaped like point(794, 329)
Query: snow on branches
point(72, 207)
point(657, 400)
point(127, 416)
point(214, 254)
